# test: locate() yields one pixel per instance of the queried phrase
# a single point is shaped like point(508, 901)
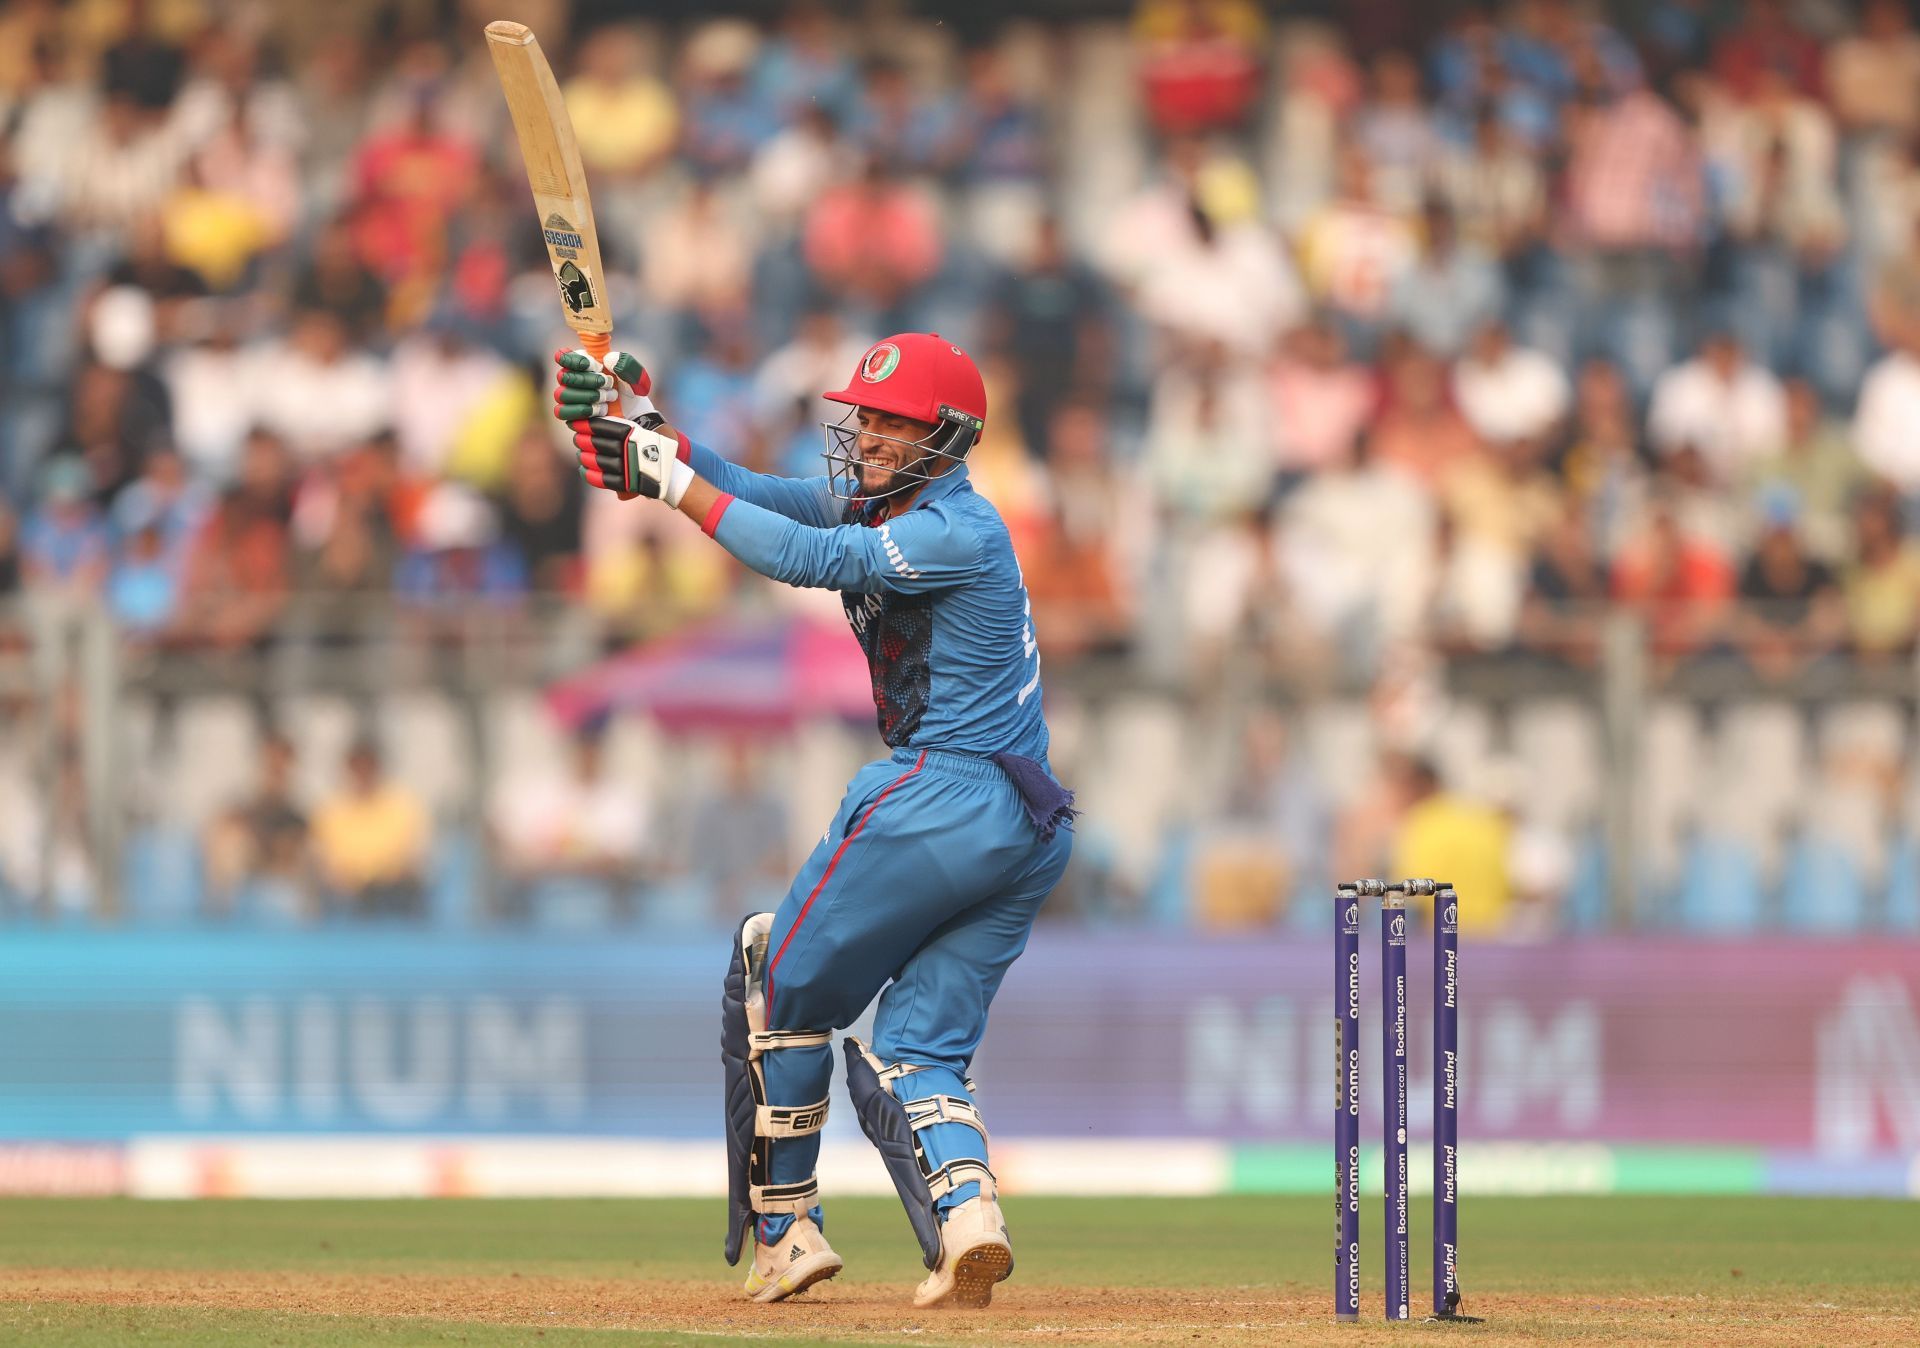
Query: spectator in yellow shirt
point(1450, 837)
point(213, 233)
point(1881, 588)
point(626, 121)
point(370, 841)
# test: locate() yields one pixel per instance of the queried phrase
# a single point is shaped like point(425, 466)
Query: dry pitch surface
point(1234, 1271)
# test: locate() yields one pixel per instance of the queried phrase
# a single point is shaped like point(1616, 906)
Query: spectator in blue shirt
point(65, 544)
point(806, 66)
point(904, 128)
point(30, 307)
point(1452, 291)
point(726, 118)
point(1006, 137)
point(713, 393)
point(167, 499)
point(460, 555)
point(143, 590)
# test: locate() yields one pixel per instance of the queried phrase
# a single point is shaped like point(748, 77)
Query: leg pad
point(751, 1121)
point(891, 1125)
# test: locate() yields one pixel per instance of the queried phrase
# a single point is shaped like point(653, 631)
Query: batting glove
point(585, 387)
point(632, 458)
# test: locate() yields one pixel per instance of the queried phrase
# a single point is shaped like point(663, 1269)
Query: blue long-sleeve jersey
point(934, 595)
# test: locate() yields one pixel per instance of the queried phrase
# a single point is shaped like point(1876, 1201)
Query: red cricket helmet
point(911, 374)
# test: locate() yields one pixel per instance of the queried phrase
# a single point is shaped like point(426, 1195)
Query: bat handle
point(597, 344)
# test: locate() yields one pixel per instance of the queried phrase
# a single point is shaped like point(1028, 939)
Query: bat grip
point(597, 344)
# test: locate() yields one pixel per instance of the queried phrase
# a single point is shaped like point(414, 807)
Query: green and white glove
point(585, 387)
point(633, 458)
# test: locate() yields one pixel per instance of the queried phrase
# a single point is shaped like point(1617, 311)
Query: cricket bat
point(559, 183)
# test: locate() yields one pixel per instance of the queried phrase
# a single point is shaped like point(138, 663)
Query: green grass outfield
point(1611, 1269)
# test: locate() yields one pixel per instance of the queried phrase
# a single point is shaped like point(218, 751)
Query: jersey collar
point(873, 513)
point(945, 485)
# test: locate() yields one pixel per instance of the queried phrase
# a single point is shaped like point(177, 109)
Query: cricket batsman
point(928, 880)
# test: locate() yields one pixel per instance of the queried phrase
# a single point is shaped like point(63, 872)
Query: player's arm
point(585, 389)
point(922, 550)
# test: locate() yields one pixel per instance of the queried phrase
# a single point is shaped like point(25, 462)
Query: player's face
point(888, 443)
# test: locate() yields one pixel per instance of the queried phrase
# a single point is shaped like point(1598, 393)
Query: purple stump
point(1446, 1100)
point(1346, 1106)
point(1393, 1054)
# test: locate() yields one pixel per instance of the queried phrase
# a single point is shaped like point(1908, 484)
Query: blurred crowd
point(1312, 335)
point(570, 844)
point(1446, 325)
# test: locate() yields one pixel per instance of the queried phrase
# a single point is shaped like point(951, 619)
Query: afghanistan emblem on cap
point(882, 361)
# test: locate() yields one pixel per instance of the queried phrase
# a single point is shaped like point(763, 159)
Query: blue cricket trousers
point(931, 876)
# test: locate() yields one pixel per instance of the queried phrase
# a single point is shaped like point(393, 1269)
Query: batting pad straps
point(956, 1173)
point(795, 1198)
point(786, 1120)
point(944, 1109)
point(888, 1075)
point(790, 1121)
point(766, 1041)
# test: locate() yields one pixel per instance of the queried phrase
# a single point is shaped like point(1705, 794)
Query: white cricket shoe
point(794, 1263)
point(974, 1255)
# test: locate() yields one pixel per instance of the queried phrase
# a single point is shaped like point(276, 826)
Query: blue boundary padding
point(1721, 890)
point(162, 881)
point(1823, 891)
point(1902, 912)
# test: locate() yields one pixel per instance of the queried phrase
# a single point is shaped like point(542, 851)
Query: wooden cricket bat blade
point(559, 182)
